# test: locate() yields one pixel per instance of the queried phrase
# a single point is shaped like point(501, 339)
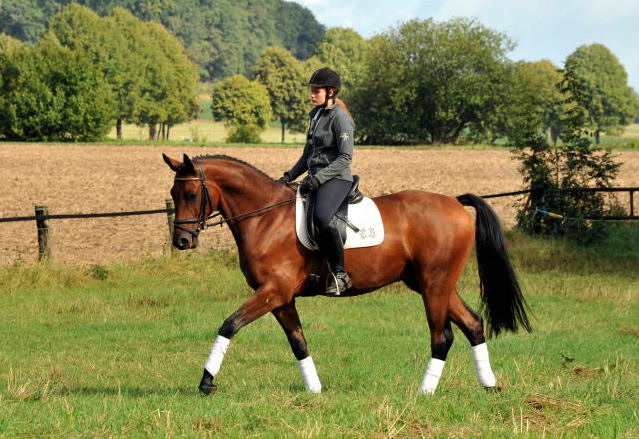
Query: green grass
point(117, 351)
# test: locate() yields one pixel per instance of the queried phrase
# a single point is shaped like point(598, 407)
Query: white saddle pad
point(363, 215)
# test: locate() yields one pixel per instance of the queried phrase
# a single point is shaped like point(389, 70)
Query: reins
point(202, 219)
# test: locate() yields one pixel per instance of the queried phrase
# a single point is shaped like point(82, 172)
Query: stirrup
point(339, 283)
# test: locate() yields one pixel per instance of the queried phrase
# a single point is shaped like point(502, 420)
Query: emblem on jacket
point(344, 137)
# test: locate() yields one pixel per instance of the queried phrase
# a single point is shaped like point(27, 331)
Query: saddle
point(340, 219)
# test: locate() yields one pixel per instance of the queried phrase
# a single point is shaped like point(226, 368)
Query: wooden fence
point(42, 218)
point(42, 215)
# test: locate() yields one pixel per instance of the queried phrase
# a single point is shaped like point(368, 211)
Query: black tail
point(503, 303)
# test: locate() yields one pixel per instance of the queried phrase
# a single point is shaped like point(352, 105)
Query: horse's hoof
point(494, 389)
point(208, 389)
point(206, 383)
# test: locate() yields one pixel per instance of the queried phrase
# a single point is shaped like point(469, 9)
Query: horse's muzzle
point(185, 242)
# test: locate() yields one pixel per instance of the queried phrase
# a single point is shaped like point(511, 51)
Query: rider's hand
point(285, 178)
point(309, 185)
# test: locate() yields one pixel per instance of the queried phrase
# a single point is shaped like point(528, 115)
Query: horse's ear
point(173, 164)
point(187, 166)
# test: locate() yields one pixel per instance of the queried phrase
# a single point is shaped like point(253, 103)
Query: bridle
point(205, 197)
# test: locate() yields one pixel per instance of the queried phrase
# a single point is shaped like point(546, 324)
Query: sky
point(541, 29)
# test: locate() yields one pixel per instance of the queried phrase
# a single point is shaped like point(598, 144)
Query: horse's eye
point(189, 196)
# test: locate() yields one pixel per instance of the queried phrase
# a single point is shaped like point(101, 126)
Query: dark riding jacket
point(329, 146)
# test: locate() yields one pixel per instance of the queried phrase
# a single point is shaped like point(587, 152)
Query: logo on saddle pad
point(363, 216)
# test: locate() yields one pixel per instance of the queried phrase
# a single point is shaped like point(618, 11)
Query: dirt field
point(86, 179)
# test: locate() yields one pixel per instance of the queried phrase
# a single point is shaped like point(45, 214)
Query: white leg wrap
point(309, 375)
point(431, 377)
point(485, 375)
point(217, 355)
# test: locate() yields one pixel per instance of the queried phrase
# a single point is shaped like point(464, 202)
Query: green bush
point(555, 206)
point(244, 134)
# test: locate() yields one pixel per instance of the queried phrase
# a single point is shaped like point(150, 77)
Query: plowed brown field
point(87, 179)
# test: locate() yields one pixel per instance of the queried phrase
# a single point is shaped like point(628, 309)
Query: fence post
point(42, 224)
point(170, 216)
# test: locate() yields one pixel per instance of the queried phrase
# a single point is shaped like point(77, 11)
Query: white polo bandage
point(432, 375)
point(309, 375)
point(216, 356)
point(485, 375)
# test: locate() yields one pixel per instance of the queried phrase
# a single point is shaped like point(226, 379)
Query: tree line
point(224, 37)
point(421, 82)
point(442, 82)
point(88, 72)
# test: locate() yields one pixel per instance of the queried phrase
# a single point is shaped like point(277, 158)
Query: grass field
point(117, 351)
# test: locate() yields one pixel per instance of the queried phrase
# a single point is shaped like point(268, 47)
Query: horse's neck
point(243, 189)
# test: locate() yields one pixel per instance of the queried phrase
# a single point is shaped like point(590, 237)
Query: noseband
point(205, 199)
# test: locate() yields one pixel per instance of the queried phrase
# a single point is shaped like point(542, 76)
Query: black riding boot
point(333, 250)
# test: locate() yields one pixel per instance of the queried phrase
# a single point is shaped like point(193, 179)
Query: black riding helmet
point(325, 77)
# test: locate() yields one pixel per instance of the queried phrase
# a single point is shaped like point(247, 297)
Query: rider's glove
point(285, 178)
point(308, 185)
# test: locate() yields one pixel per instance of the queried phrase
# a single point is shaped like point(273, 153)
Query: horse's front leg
point(264, 300)
point(289, 319)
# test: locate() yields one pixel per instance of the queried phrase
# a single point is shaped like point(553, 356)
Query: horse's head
point(194, 202)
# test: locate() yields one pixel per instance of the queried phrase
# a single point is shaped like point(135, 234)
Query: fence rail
point(42, 215)
point(631, 193)
point(42, 218)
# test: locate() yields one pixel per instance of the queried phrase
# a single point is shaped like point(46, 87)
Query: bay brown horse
point(428, 239)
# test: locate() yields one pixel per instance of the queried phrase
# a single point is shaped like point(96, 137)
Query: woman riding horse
point(327, 157)
point(427, 241)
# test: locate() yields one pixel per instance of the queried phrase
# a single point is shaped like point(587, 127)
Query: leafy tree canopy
point(598, 82)
point(283, 76)
point(343, 50)
point(224, 37)
point(238, 101)
point(52, 93)
point(430, 80)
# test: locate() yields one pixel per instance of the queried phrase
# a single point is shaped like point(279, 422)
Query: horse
point(427, 242)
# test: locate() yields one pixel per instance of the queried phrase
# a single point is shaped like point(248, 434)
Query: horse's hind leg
point(289, 319)
point(436, 298)
point(471, 324)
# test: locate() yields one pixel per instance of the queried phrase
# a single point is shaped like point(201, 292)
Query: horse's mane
point(233, 159)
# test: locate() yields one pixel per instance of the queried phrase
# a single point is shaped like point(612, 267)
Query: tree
point(9, 44)
point(344, 51)
point(23, 20)
point(599, 83)
point(225, 36)
point(109, 43)
point(432, 79)
point(238, 101)
point(283, 77)
point(52, 93)
point(374, 101)
point(169, 91)
point(534, 102)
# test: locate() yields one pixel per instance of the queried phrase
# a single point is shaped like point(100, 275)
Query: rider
point(327, 157)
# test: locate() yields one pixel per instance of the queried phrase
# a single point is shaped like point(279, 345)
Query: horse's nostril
point(183, 243)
